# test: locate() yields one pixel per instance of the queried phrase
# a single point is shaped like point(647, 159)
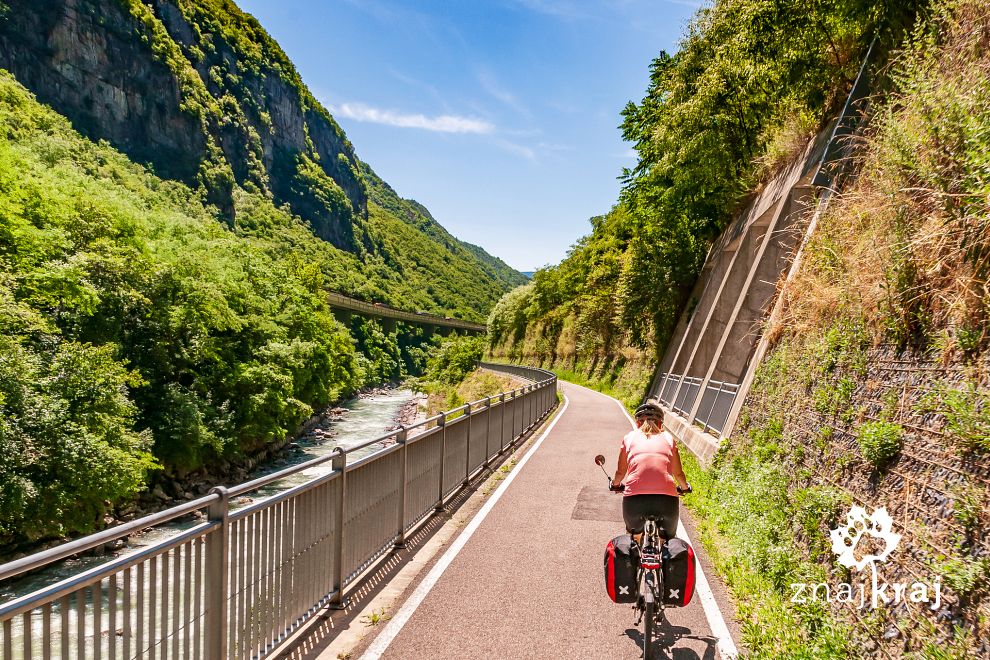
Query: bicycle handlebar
point(622, 487)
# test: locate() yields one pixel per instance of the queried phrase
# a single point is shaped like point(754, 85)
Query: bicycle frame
point(649, 566)
point(650, 585)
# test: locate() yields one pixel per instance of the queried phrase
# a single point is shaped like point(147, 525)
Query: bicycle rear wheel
point(648, 618)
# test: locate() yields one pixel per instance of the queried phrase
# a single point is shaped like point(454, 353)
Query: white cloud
point(440, 123)
point(517, 149)
point(496, 91)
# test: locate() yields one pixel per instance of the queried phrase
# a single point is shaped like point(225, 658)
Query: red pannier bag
point(678, 573)
point(621, 564)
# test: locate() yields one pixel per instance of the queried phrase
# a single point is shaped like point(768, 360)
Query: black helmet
point(649, 410)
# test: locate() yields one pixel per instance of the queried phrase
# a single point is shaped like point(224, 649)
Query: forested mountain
point(198, 91)
point(168, 229)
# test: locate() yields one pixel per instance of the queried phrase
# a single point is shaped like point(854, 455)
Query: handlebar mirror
point(599, 460)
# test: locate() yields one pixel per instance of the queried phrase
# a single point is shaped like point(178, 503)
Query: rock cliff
point(196, 90)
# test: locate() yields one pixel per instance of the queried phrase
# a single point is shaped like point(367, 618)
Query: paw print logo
point(859, 525)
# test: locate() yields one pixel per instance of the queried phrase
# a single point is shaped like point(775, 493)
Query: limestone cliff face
point(197, 90)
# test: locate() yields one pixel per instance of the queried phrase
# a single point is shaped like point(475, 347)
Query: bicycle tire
point(648, 617)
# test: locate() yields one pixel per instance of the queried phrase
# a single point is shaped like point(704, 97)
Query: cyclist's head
point(649, 418)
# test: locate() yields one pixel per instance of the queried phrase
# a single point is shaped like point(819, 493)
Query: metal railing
point(668, 387)
point(679, 393)
point(239, 583)
point(686, 395)
point(716, 402)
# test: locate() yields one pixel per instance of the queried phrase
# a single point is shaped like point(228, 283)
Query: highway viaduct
point(345, 307)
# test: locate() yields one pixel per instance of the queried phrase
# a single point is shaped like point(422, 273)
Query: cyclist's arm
point(620, 472)
point(676, 469)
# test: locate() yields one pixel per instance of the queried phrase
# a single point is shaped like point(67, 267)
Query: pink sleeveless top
point(649, 464)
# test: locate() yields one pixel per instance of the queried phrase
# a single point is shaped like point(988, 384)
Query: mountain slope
point(197, 90)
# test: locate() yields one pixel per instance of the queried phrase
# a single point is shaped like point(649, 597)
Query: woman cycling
point(650, 474)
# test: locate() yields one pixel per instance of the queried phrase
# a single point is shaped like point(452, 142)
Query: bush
point(455, 359)
point(879, 442)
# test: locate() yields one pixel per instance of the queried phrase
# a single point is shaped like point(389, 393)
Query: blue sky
point(499, 115)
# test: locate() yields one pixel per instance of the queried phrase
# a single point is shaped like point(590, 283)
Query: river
point(367, 417)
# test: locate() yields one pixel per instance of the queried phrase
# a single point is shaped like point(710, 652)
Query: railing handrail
point(66, 550)
point(58, 553)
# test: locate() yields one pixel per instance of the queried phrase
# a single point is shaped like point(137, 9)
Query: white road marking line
point(395, 625)
point(726, 647)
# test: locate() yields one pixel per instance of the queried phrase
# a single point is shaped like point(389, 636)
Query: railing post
point(400, 539)
point(339, 462)
point(528, 404)
point(467, 443)
point(515, 406)
point(442, 423)
point(488, 432)
point(217, 549)
point(501, 424)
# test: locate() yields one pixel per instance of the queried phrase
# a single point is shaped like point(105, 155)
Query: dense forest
point(750, 83)
point(158, 322)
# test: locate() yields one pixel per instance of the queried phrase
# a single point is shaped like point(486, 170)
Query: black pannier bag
point(678, 573)
point(621, 564)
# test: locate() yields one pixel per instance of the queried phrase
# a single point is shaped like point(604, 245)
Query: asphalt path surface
point(529, 582)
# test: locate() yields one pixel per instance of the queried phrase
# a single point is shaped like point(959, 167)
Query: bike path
point(528, 582)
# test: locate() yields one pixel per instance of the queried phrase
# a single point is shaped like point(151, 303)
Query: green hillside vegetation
point(899, 260)
point(751, 81)
point(411, 241)
point(140, 335)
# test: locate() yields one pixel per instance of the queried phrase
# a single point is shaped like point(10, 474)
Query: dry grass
point(905, 251)
point(477, 385)
point(784, 143)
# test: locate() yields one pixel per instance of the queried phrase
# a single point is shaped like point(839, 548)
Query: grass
point(377, 616)
point(903, 250)
point(747, 523)
point(498, 476)
point(966, 409)
point(628, 389)
point(879, 442)
point(476, 385)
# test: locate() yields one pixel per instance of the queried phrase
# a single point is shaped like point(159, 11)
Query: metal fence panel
point(372, 500)
point(141, 604)
point(708, 398)
point(455, 462)
point(720, 411)
point(517, 414)
point(505, 421)
point(423, 481)
point(669, 388)
point(479, 439)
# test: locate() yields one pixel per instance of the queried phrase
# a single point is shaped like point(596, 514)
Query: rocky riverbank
point(410, 413)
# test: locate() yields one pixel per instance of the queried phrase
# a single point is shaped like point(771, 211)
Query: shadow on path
point(667, 636)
